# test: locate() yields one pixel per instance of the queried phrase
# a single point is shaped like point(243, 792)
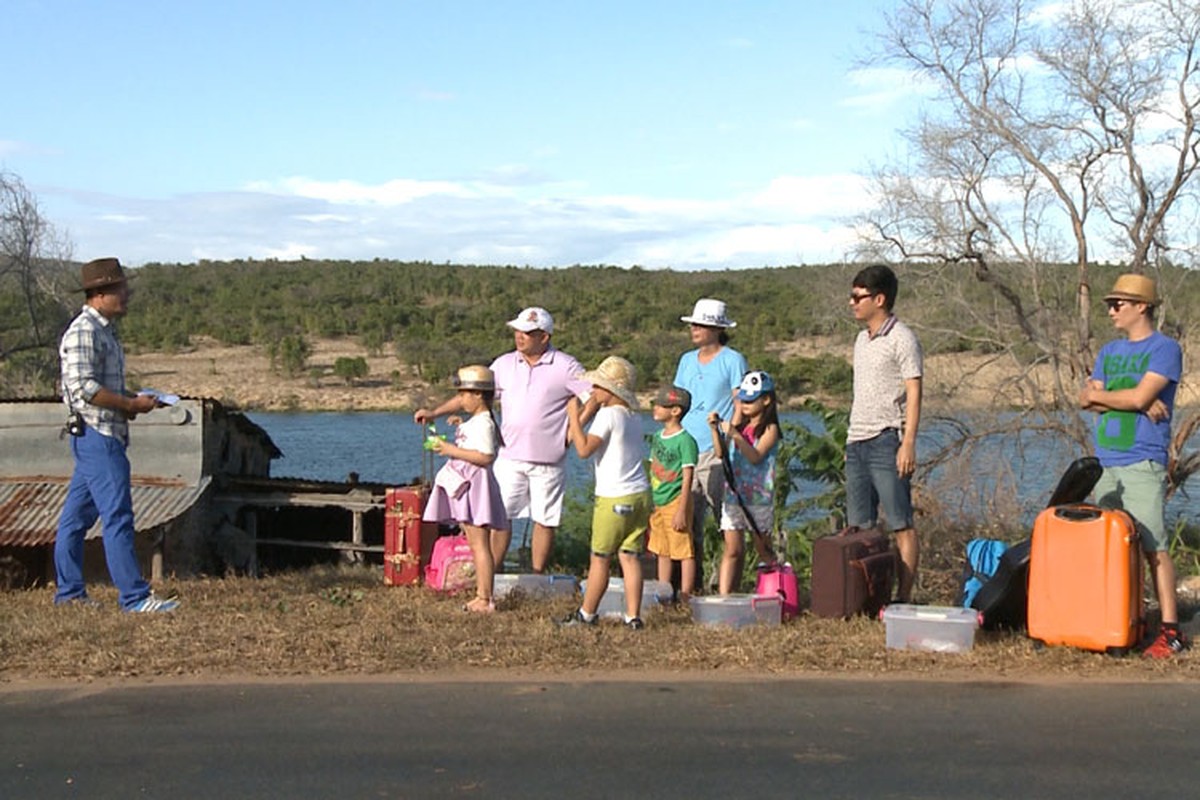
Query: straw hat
point(618, 376)
point(1137, 288)
point(475, 377)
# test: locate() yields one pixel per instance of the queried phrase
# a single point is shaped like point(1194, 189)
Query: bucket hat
point(99, 273)
point(710, 313)
point(618, 376)
point(533, 319)
point(475, 377)
point(754, 384)
point(1137, 288)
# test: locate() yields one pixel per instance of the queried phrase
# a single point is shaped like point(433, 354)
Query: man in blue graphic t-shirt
point(1132, 387)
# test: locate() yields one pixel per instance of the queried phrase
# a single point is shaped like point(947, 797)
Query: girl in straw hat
point(465, 490)
point(622, 511)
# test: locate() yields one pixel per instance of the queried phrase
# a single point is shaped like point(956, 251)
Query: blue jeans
point(872, 482)
point(99, 489)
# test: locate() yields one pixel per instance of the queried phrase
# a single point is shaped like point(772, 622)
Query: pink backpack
point(452, 566)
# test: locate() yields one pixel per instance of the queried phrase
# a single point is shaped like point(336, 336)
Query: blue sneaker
point(152, 603)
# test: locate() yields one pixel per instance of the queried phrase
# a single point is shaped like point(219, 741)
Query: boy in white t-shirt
point(623, 503)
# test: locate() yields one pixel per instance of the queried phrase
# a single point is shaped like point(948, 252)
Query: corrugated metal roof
point(30, 507)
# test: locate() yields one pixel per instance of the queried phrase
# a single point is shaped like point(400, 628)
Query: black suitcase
point(1004, 598)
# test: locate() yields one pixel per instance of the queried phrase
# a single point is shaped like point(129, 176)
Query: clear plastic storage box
point(939, 629)
point(655, 594)
point(738, 610)
point(533, 585)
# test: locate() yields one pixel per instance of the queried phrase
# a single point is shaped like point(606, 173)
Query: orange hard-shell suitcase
point(1085, 579)
point(407, 540)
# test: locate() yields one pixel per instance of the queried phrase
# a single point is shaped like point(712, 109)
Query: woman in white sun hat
point(712, 374)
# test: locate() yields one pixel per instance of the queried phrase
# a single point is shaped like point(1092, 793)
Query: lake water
point(1001, 479)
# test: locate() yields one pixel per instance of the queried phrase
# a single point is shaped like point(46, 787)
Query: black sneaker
point(635, 624)
point(576, 618)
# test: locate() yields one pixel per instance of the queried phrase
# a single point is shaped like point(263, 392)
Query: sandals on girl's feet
point(480, 605)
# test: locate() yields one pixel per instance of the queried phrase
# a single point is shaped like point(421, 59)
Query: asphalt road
point(569, 740)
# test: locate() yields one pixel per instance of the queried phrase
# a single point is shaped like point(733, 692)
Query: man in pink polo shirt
point(534, 383)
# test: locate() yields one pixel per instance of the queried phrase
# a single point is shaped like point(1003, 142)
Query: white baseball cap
point(533, 319)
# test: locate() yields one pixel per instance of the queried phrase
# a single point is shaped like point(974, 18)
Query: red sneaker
point(1167, 644)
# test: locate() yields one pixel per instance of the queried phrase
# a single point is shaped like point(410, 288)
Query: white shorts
point(734, 519)
point(532, 490)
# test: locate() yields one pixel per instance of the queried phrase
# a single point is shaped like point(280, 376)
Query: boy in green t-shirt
point(673, 454)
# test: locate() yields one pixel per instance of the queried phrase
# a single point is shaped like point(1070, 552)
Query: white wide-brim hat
point(618, 376)
point(710, 313)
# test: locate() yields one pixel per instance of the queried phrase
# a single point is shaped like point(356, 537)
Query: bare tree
point(32, 293)
point(1051, 135)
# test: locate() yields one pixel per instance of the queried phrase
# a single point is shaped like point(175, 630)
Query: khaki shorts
point(1141, 490)
point(619, 523)
point(664, 539)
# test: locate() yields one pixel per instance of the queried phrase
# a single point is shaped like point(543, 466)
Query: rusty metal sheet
point(29, 509)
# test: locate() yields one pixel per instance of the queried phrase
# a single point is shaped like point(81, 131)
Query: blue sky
point(690, 135)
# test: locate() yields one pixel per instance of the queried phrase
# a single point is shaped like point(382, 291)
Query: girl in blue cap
point(750, 441)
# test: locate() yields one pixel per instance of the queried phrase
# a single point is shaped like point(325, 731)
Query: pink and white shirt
point(533, 412)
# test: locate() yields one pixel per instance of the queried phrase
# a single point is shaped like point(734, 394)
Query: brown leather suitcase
point(852, 573)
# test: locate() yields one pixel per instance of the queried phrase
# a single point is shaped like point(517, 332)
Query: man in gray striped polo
point(881, 444)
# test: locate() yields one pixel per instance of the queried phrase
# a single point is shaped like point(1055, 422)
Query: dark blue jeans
point(99, 489)
point(872, 482)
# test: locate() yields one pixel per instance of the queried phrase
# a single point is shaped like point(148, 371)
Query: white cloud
point(881, 88)
point(346, 192)
point(788, 220)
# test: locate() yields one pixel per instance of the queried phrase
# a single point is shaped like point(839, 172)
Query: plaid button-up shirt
point(92, 358)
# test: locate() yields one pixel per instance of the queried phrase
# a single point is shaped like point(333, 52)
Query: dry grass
point(344, 622)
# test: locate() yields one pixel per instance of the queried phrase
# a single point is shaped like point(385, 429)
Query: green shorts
point(1141, 490)
point(620, 523)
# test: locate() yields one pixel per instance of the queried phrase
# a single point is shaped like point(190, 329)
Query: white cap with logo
point(533, 319)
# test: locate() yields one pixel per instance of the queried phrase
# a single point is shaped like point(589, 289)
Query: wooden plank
point(362, 548)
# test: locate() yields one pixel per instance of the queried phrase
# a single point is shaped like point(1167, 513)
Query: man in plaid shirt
point(93, 382)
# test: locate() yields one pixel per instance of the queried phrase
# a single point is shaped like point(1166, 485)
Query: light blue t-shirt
point(711, 386)
point(1127, 437)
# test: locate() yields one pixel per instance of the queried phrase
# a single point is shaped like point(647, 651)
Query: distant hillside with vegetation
point(792, 321)
point(438, 316)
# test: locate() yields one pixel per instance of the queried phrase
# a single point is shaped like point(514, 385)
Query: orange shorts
point(664, 539)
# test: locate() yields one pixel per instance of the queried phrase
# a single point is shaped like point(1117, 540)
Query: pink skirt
point(476, 502)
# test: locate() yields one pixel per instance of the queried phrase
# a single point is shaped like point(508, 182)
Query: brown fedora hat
point(1137, 288)
point(101, 272)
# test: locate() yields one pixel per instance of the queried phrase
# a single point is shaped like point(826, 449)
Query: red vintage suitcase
point(1085, 579)
point(852, 573)
point(407, 541)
